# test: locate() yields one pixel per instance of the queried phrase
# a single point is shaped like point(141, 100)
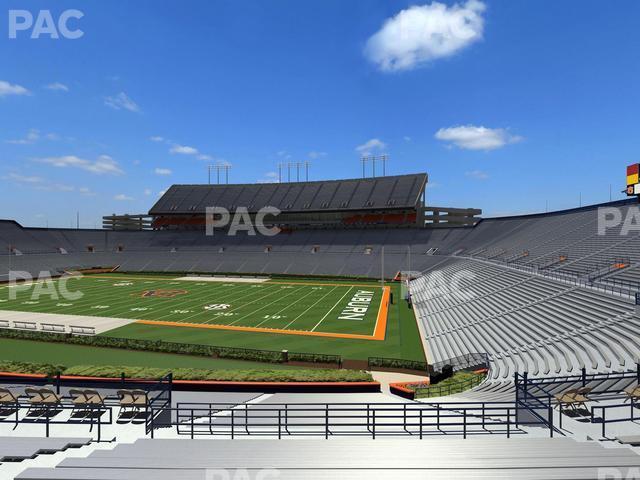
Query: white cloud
point(477, 174)
point(422, 33)
point(121, 197)
point(184, 150)
point(38, 183)
point(57, 87)
point(16, 177)
point(156, 138)
point(316, 155)
point(471, 137)
point(86, 191)
point(7, 89)
point(103, 165)
point(371, 146)
point(32, 136)
point(202, 156)
point(163, 171)
point(269, 177)
point(122, 101)
point(284, 154)
point(147, 191)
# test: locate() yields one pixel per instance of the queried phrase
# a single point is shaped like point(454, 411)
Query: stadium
point(320, 239)
point(522, 326)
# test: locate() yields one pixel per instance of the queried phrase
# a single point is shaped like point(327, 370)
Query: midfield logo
point(161, 293)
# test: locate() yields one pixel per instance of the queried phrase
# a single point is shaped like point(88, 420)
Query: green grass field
point(274, 305)
point(303, 306)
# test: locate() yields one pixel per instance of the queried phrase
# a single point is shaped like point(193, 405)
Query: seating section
point(17, 449)
point(526, 322)
point(522, 458)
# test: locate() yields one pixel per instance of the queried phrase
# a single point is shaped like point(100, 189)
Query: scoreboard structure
point(633, 179)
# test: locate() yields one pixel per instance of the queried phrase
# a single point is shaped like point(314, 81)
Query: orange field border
point(379, 332)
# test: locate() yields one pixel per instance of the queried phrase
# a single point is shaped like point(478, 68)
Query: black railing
point(468, 361)
point(159, 403)
point(536, 398)
point(430, 391)
point(25, 413)
point(279, 420)
point(629, 414)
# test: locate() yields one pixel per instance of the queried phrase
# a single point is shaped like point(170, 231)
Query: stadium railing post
point(550, 418)
point(246, 417)
point(279, 424)
point(420, 423)
point(404, 417)
point(584, 376)
point(233, 423)
point(508, 422)
point(560, 413)
point(192, 425)
point(464, 423)
point(326, 421)
point(373, 430)
point(151, 421)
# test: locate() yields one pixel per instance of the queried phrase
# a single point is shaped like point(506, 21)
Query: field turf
point(318, 308)
point(267, 309)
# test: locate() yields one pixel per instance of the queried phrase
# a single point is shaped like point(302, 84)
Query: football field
point(337, 309)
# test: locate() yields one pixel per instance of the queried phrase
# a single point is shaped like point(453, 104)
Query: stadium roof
point(393, 192)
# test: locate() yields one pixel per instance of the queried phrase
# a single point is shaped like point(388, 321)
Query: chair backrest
point(138, 394)
point(48, 394)
point(94, 395)
point(7, 394)
point(125, 395)
point(33, 393)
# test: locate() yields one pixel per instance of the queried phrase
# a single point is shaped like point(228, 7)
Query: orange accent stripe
point(378, 334)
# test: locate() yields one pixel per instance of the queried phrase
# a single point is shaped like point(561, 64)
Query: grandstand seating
point(528, 290)
point(526, 322)
point(523, 458)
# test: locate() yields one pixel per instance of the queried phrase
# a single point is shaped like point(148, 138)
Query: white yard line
point(295, 290)
point(319, 300)
point(336, 304)
point(285, 308)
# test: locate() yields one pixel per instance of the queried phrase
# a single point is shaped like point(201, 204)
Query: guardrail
point(449, 389)
point(48, 413)
point(336, 419)
point(632, 415)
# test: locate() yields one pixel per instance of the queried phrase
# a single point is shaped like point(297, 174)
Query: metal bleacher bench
point(80, 330)
point(25, 325)
point(52, 327)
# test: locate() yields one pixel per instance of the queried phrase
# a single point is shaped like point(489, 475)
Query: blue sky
point(509, 106)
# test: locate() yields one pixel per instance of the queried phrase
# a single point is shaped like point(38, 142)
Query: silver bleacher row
point(541, 240)
point(525, 322)
point(522, 458)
